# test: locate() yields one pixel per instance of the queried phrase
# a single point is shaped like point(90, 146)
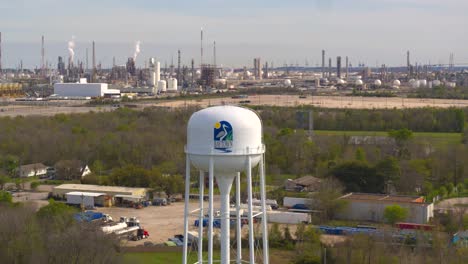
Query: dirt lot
point(69, 107)
point(326, 101)
point(162, 222)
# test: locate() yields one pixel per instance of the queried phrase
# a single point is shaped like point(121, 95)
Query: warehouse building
point(370, 207)
point(116, 193)
point(88, 200)
point(84, 89)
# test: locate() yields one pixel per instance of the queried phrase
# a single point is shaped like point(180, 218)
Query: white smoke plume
point(71, 46)
point(137, 50)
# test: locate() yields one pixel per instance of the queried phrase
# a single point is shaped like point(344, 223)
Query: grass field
point(436, 138)
point(276, 257)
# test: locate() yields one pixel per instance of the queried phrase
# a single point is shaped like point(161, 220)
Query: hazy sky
point(369, 31)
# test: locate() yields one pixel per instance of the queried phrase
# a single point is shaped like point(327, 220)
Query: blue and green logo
point(223, 136)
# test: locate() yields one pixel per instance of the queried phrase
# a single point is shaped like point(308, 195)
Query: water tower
point(225, 141)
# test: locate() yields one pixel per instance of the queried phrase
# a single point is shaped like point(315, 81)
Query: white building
point(31, 170)
point(371, 207)
point(83, 89)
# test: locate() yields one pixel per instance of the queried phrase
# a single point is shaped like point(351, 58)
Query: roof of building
point(90, 194)
point(307, 181)
point(128, 196)
point(34, 166)
point(383, 198)
point(97, 188)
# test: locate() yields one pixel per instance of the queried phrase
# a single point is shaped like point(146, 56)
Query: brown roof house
point(303, 184)
point(31, 170)
point(71, 170)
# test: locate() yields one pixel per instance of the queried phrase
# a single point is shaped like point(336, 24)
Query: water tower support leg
point(210, 220)
point(266, 259)
point(186, 214)
point(238, 220)
point(250, 218)
point(200, 216)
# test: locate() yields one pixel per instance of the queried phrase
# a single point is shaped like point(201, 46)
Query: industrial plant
point(202, 77)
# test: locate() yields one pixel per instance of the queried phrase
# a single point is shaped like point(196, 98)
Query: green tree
point(395, 213)
point(56, 215)
point(326, 199)
point(389, 169)
point(3, 180)
point(401, 137)
point(10, 164)
point(361, 155)
point(275, 238)
point(5, 197)
point(357, 176)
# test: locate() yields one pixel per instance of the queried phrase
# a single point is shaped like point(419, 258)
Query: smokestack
point(0, 52)
point(214, 54)
point(338, 66)
point(193, 73)
point(178, 66)
point(408, 63)
point(323, 63)
point(93, 76)
point(94, 57)
point(87, 65)
point(329, 67)
point(201, 47)
point(42, 56)
point(347, 67)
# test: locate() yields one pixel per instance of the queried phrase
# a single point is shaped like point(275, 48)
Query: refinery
point(75, 79)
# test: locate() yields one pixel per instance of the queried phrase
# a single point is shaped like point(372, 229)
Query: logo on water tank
point(223, 136)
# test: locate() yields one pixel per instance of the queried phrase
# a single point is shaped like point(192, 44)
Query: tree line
point(150, 144)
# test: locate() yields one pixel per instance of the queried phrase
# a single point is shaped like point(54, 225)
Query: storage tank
point(340, 81)
point(436, 83)
point(414, 84)
point(422, 83)
point(359, 82)
point(158, 72)
point(396, 83)
point(287, 82)
point(220, 81)
point(162, 86)
point(378, 83)
point(172, 85)
point(152, 80)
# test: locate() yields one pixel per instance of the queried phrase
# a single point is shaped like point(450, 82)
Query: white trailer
point(85, 198)
point(288, 217)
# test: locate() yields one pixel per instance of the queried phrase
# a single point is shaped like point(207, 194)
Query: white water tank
point(162, 86)
point(225, 141)
point(172, 85)
point(378, 83)
point(226, 133)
